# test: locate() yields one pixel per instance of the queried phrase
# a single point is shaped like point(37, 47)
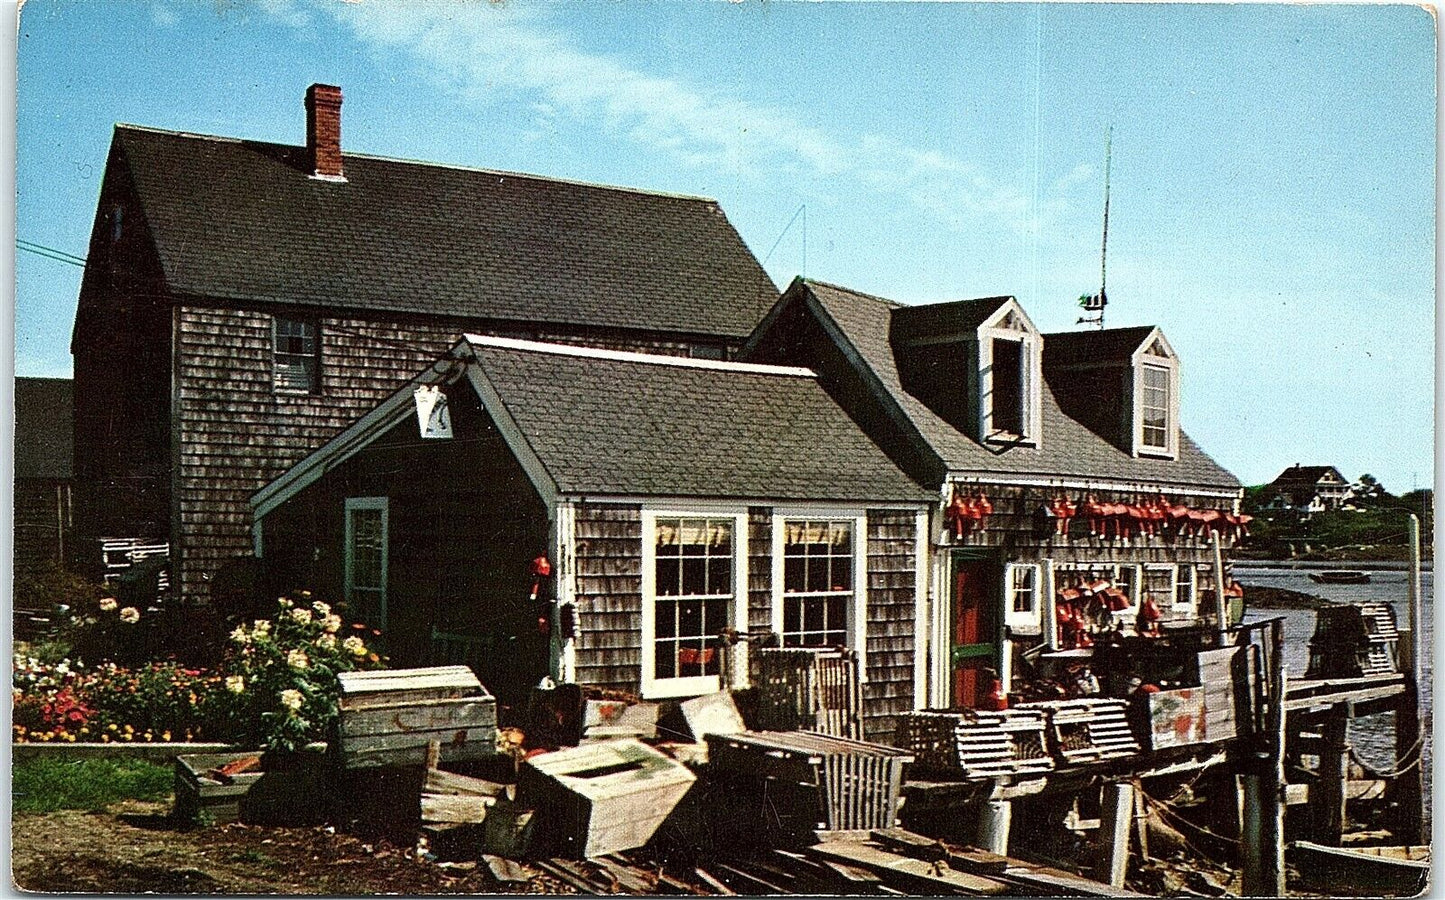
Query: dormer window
point(1010, 361)
point(1156, 399)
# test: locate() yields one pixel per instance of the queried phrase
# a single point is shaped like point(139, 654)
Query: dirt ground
point(135, 848)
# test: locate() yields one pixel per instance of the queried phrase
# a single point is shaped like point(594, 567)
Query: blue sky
point(1272, 186)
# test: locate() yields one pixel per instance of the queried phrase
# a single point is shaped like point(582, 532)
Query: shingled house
point(1309, 489)
point(244, 301)
point(43, 434)
point(675, 499)
point(1068, 500)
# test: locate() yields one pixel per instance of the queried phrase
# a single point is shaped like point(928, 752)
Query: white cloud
point(478, 51)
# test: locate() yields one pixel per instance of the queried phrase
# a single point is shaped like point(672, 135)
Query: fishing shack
point(612, 519)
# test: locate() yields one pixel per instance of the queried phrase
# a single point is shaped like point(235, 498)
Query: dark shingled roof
point(1306, 475)
point(1066, 348)
point(1069, 449)
point(243, 220)
point(44, 427)
point(934, 319)
point(624, 426)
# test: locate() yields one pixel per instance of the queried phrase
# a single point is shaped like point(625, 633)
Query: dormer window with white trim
point(1156, 399)
point(1010, 373)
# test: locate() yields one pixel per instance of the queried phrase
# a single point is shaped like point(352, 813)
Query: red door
point(975, 631)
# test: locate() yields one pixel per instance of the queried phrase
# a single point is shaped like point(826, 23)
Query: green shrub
point(46, 784)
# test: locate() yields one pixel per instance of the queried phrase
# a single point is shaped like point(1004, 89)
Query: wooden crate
point(602, 798)
point(1088, 729)
point(857, 783)
point(388, 717)
point(978, 743)
point(295, 795)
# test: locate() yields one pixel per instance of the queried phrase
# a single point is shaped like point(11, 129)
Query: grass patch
point(46, 784)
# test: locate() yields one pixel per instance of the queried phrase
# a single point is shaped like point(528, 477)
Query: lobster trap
point(1088, 729)
point(978, 743)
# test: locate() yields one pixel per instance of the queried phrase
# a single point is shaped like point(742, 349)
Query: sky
point(1271, 180)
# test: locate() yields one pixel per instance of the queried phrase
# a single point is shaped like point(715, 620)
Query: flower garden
point(274, 685)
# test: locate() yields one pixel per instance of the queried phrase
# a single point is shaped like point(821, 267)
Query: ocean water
point(1372, 737)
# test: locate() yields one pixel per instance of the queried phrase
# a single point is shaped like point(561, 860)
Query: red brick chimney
point(323, 130)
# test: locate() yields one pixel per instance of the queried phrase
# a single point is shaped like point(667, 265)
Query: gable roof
point(1117, 345)
point(601, 422)
point(933, 319)
point(1307, 475)
point(44, 427)
point(1068, 449)
point(244, 221)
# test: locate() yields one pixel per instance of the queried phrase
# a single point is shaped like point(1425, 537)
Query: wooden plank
point(439, 782)
point(425, 715)
point(454, 809)
point(713, 883)
point(904, 871)
point(749, 882)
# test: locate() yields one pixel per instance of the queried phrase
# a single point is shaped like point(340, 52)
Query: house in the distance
point(43, 441)
point(245, 301)
point(675, 500)
point(1308, 490)
point(1070, 504)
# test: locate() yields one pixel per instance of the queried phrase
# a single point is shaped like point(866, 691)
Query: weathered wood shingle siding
point(609, 595)
point(892, 604)
point(760, 568)
point(236, 433)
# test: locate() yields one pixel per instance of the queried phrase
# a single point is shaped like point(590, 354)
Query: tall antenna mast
point(1094, 304)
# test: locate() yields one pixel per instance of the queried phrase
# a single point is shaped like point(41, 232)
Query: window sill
point(694, 686)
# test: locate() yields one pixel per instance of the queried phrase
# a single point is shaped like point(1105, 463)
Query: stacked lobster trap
point(979, 743)
point(1030, 738)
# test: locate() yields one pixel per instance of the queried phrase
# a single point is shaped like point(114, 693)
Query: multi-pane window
point(1184, 590)
point(297, 351)
point(818, 579)
point(1154, 407)
point(1023, 589)
point(1159, 585)
point(366, 559)
point(693, 586)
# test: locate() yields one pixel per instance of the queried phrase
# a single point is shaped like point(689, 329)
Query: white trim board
point(652, 359)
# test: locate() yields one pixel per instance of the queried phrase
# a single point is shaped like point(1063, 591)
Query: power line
point(50, 253)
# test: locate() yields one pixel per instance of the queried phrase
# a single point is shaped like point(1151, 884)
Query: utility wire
point(50, 253)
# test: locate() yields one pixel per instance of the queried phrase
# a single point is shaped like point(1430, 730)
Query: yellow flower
point(236, 684)
point(129, 729)
point(331, 624)
point(130, 615)
point(297, 659)
point(165, 735)
point(240, 635)
point(105, 739)
point(301, 616)
point(107, 604)
point(291, 699)
point(354, 646)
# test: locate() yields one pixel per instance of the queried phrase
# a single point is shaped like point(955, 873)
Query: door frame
point(950, 561)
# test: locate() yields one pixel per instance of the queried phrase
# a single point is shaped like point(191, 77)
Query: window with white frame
point(1010, 351)
point(691, 590)
point(1159, 586)
point(1154, 408)
point(366, 559)
point(819, 558)
point(1184, 591)
point(1021, 596)
point(297, 347)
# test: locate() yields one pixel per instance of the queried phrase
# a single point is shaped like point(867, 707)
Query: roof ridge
point(655, 359)
point(854, 291)
point(431, 164)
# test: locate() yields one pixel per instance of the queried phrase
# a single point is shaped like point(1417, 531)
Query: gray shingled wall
point(237, 433)
point(609, 595)
point(892, 566)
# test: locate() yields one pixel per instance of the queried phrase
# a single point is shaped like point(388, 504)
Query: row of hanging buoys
point(1123, 521)
point(967, 513)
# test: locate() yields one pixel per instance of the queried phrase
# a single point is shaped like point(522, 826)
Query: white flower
point(291, 699)
point(354, 646)
point(130, 615)
point(107, 604)
point(235, 684)
point(240, 635)
point(283, 602)
point(322, 609)
point(332, 624)
point(301, 616)
point(326, 642)
point(262, 627)
point(297, 659)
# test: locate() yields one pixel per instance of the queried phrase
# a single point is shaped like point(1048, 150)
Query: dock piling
point(1117, 815)
point(994, 820)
